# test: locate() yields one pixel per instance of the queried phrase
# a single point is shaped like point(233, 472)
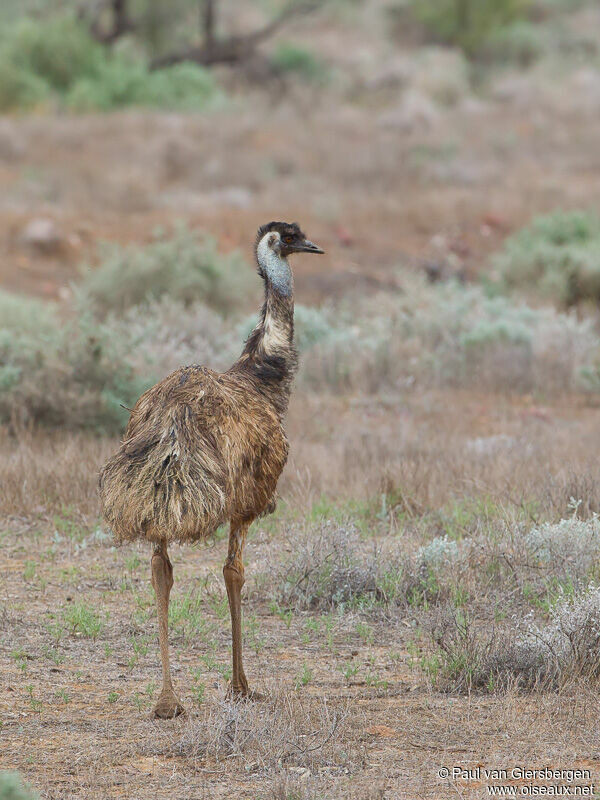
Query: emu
point(205, 448)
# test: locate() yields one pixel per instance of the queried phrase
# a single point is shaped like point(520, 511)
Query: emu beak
point(309, 247)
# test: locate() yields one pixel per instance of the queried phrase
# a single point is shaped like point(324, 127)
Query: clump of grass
point(82, 619)
point(184, 267)
point(556, 256)
point(290, 58)
point(272, 733)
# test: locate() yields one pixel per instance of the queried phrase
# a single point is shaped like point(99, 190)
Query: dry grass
point(424, 450)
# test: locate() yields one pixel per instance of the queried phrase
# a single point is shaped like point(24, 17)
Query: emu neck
point(269, 354)
point(274, 268)
point(276, 334)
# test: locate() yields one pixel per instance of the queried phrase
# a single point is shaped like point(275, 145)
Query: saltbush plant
point(449, 334)
point(521, 44)
point(184, 266)
point(56, 61)
point(524, 654)
point(74, 374)
point(119, 83)
point(13, 788)
point(569, 548)
point(557, 256)
point(143, 311)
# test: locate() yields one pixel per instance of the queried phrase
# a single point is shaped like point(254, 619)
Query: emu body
point(204, 448)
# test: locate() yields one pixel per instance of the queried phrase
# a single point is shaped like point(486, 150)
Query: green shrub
point(557, 256)
point(182, 87)
point(58, 59)
point(58, 50)
point(19, 88)
point(466, 23)
point(184, 267)
point(115, 85)
point(520, 43)
point(564, 650)
point(119, 83)
point(12, 787)
point(289, 58)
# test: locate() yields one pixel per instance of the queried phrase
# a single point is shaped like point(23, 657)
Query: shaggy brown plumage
point(202, 448)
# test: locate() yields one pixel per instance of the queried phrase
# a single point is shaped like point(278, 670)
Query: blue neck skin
point(275, 267)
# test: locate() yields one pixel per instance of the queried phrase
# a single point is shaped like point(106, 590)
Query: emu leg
point(168, 705)
point(233, 572)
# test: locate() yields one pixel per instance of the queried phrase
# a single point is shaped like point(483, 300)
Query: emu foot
point(168, 706)
point(241, 691)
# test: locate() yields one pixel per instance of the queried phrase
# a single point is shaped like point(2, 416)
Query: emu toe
point(168, 707)
point(243, 692)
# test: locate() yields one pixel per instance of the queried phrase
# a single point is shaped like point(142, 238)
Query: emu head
point(286, 238)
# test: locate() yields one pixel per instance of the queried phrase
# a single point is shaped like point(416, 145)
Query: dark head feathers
point(283, 228)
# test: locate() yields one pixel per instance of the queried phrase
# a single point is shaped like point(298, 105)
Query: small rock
point(43, 236)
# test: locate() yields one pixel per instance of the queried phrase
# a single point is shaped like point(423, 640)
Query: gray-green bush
point(13, 788)
point(144, 311)
point(186, 267)
point(557, 256)
point(73, 374)
point(453, 335)
point(521, 43)
point(327, 569)
point(523, 654)
point(118, 83)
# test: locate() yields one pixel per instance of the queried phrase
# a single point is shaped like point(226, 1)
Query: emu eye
point(287, 239)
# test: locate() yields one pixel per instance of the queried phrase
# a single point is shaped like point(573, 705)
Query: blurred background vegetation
point(417, 71)
point(114, 53)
